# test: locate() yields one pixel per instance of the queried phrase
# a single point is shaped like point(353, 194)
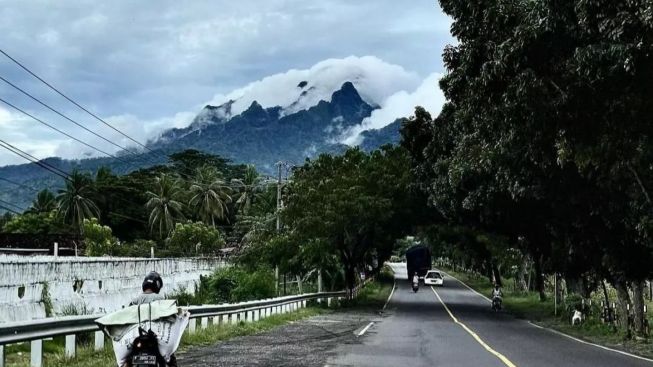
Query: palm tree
point(210, 195)
point(74, 203)
point(164, 210)
point(247, 188)
point(44, 202)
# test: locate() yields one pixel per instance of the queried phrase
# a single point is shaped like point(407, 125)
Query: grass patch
point(527, 305)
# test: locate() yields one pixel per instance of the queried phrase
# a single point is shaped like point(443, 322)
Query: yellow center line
point(503, 358)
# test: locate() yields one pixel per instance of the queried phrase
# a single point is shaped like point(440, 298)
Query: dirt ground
point(308, 342)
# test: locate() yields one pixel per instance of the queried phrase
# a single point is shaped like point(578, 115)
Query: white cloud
point(401, 104)
point(374, 79)
point(120, 58)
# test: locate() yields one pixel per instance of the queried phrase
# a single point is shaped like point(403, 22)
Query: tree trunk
point(521, 275)
point(496, 274)
point(605, 294)
point(623, 299)
point(539, 278)
point(638, 307)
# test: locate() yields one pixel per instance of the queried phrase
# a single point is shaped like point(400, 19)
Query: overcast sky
point(147, 66)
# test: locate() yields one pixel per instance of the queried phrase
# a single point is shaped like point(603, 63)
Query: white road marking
point(592, 344)
point(365, 328)
point(561, 333)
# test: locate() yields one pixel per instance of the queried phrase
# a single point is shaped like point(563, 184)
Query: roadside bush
point(194, 239)
point(236, 284)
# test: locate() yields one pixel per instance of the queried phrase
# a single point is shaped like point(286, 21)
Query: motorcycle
point(146, 343)
point(496, 304)
point(415, 286)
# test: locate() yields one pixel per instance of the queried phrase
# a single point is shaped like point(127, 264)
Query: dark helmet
point(153, 282)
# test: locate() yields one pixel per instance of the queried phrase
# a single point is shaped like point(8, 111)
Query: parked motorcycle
point(415, 286)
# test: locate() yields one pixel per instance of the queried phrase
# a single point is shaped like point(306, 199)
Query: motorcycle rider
point(152, 285)
point(497, 294)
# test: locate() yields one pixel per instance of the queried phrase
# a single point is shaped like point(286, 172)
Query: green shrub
point(194, 239)
point(236, 284)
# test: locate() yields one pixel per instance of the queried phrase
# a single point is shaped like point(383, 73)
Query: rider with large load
point(148, 332)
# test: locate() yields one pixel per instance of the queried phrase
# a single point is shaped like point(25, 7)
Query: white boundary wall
point(104, 284)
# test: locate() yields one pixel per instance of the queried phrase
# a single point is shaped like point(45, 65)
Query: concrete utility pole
point(276, 268)
point(279, 165)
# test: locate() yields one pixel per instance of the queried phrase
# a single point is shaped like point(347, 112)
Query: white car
point(433, 277)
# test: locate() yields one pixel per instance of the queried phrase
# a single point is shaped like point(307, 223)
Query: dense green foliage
point(543, 149)
point(184, 208)
point(346, 212)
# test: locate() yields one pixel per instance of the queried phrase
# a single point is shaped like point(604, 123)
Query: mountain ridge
point(258, 135)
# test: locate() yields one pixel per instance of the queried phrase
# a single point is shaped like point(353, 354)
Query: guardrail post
point(224, 319)
point(234, 318)
point(36, 353)
point(99, 340)
point(2, 356)
point(192, 324)
point(205, 322)
point(304, 304)
point(70, 346)
point(329, 302)
point(257, 314)
point(248, 316)
point(241, 316)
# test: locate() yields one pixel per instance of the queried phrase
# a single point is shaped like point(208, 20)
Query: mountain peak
point(347, 92)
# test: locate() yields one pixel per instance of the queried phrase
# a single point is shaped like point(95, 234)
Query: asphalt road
point(420, 331)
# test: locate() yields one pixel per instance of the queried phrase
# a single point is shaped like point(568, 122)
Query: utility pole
point(279, 165)
point(276, 268)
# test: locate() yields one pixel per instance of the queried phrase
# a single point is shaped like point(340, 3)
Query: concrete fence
point(38, 287)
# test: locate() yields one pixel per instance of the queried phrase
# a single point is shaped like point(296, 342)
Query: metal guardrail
point(37, 330)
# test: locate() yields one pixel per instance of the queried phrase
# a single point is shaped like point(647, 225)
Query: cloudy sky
point(147, 66)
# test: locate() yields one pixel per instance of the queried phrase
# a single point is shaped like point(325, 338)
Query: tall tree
point(247, 188)
point(210, 195)
point(45, 201)
point(164, 208)
point(74, 203)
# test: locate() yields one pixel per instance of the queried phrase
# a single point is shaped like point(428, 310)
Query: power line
point(66, 117)
point(73, 102)
point(62, 172)
point(10, 204)
point(61, 132)
point(18, 184)
point(9, 210)
point(26, 156)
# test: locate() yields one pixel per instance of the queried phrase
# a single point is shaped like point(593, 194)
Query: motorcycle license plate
point(144, 360)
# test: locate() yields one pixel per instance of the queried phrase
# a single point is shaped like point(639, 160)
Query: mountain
point(258, 135)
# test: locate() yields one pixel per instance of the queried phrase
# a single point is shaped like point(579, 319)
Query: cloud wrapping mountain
point(374, 79)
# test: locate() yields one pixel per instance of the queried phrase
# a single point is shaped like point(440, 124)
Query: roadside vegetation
point(539, 164)
point(527, 305)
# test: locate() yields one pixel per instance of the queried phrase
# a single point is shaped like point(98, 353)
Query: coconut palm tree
point(248, 187)
point(164, 209)
point(74, 203)
point(44, 202)
point(210, 195)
